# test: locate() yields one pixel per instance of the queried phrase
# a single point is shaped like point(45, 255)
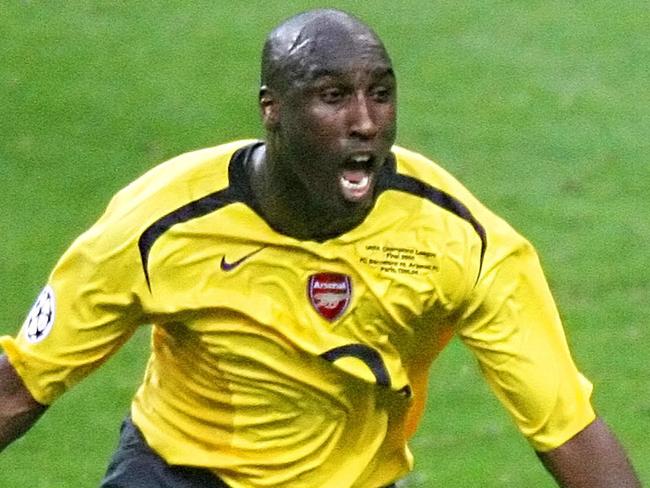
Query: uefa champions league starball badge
point(38, 323)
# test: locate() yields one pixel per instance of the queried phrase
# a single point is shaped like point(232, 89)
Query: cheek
point(388, 126)
point(322, 122)
point(388, 117)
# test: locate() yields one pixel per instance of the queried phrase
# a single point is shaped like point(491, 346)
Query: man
point(299, 288)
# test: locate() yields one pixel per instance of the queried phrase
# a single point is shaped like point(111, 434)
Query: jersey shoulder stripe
point(236, 191)
point(391, 179)
point(192, 210)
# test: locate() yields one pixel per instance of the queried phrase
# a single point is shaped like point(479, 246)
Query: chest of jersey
point(373, 300)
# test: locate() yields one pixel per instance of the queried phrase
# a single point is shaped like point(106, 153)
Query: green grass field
point(541, 108)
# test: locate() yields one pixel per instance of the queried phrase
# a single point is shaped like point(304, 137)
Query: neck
point(291, 209)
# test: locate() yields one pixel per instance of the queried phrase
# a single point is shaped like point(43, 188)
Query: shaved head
point(299, 48)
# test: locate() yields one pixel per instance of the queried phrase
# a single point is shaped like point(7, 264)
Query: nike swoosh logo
point(229, 266)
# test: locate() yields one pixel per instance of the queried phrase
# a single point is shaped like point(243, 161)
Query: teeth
point(361, 158)
point(356, 185)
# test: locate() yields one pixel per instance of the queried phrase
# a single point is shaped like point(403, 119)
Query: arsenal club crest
point(330, 294)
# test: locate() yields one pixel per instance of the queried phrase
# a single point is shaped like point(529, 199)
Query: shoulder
point(172, 184)
point(160, 191)
point(500, 238)
point(431, 174)
point(183, 178)
point(440, 186)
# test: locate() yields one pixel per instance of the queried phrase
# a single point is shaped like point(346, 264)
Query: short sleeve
point(88, 308)
point(514, 330)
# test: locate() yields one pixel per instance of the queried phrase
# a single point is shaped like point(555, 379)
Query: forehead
point(331, 49)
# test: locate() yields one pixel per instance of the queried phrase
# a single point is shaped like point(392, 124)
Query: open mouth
point(357, 177)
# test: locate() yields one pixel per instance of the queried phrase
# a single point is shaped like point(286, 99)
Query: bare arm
point(591, 459)
point(18, 409)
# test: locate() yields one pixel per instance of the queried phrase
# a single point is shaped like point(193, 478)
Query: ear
point(269, 108)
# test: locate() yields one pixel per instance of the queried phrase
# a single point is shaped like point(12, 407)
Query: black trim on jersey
point(238, 190)
point(390, 179)
point(192, 210)
point(367, 354)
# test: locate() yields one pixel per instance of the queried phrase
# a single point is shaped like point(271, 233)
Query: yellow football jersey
point(278, 362)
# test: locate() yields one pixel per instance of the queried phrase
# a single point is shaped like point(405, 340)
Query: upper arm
point(513, 328)
point(88, 308)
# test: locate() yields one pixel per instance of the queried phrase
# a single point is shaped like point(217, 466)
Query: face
point(335, 122)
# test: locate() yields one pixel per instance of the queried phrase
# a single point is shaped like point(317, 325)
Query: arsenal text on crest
point(329, 294)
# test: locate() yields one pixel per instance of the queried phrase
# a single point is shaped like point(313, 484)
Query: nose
point(362, 121)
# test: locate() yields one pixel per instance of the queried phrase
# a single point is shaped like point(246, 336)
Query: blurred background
point(541, 108)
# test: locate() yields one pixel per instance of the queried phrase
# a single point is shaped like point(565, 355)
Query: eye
point(382, 94)
point(331, 95)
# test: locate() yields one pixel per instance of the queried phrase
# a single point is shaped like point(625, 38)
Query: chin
point(357, 202)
